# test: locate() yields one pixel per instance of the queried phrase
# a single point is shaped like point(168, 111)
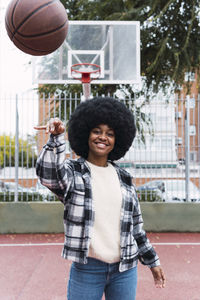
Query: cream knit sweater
point(107, 197)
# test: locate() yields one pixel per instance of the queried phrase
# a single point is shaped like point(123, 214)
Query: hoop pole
point(86, 77)
point(86, 90)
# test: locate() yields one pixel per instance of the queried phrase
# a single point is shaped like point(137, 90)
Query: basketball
point(36, 27)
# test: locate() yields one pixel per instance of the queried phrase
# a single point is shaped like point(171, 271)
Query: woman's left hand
point(159, 277)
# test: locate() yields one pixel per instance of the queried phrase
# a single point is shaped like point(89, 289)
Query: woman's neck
point(100, 161)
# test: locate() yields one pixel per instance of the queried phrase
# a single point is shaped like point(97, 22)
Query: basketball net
point(85, 72)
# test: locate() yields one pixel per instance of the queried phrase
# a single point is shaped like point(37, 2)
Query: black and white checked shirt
point(70, 180)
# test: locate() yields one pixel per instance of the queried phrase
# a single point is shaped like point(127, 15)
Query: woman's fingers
point(45, 127)
point(40, 127)
point(159, 277)
point(54, 126)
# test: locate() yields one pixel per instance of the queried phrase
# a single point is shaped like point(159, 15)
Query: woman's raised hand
point(54, 126)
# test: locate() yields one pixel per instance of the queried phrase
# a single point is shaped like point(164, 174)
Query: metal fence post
point(187, 149)
point(16, 149)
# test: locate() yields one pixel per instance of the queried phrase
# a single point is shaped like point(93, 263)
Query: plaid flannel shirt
point(70, 180)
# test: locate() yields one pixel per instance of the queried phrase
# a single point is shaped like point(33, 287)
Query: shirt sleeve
point(147, 254)
point(52, 168)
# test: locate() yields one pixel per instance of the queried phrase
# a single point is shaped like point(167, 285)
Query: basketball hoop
point(85, 72)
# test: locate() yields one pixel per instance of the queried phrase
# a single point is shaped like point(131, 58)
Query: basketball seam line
point(44, 33)
point(12, 15)
point(36, 50)
point(15, 29)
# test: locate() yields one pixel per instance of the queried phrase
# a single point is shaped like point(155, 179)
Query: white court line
point(61, 244)
point(176, 244)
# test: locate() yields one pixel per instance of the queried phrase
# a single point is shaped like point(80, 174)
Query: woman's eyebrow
point(96, 127)
point(109, 128)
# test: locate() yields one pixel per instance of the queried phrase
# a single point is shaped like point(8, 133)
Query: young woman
point(104, 236)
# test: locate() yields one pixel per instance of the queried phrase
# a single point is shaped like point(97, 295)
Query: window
point(192, 130)
point(193, 156)
point(192, 103)
point(166, 143)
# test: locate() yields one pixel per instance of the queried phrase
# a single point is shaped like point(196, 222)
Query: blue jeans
point(90, 281)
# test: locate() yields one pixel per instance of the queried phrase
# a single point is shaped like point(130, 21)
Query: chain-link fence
point(164, 158)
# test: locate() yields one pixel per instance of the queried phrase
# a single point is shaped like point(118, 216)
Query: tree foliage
point(27, 155)
point(170, 42)
point(170, 36)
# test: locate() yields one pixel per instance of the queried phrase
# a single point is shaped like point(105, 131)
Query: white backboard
point(114, 45)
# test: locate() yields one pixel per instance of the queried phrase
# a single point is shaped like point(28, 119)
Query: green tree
point(170, 42)
point(170, 45)
point(27, 155)
point(170, 36)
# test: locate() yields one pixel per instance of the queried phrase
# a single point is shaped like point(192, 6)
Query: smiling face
point(101, 142)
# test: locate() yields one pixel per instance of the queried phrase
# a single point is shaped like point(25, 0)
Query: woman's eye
point(96, 131)
point(110, 134)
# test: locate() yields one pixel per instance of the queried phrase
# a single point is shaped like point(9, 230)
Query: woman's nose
point(102, 136)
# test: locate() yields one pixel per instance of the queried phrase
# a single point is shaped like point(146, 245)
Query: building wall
point(194, 121)
point(159, 148)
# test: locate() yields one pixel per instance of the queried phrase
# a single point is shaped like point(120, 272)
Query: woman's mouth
point(101, 145)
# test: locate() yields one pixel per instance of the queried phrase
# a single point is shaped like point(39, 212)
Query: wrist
point(56, 140)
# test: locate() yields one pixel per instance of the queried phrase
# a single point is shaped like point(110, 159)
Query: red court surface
point(31, 267)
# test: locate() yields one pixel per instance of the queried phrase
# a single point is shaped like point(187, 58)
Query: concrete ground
point(32, 268)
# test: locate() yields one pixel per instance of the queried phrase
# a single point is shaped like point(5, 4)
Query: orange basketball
point(37, 27)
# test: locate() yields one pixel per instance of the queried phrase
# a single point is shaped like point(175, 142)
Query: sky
point(15, 78)
point(15, 67)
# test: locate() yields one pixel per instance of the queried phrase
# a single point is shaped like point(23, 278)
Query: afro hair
point(96, 111)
